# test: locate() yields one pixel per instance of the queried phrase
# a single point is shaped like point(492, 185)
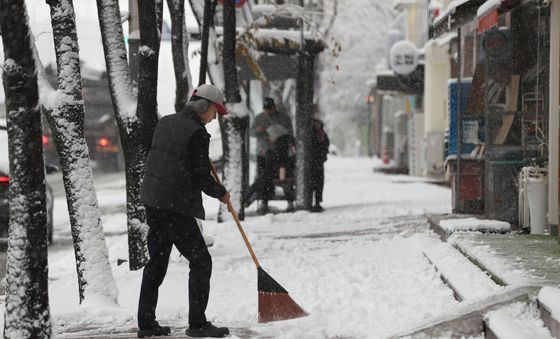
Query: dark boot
point(317, 208)
point(263, 208)
point(290, 207)
point(154, 331)
point(251, 197)
point(207, 330)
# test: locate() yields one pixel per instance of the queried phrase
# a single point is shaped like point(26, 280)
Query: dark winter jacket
point(319, 143)
point(178, 167)
point(264, 121)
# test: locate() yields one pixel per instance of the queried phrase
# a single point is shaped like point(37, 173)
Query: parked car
point(5, 182)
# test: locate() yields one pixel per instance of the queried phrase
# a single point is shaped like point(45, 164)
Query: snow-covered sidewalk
point(358, 268)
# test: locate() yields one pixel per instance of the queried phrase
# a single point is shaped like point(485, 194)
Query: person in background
point(177, 171)
point(279, 165)
point(270, 116)
point(319, 151)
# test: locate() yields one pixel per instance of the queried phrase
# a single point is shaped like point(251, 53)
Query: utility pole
point(133, 40)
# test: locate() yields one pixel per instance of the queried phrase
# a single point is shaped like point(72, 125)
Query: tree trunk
point(159, 16)
point(303, 129)
point(140, 137)
point(67, 124)
point(180, 52)
point(207, 22)
point(234, 147)
point(234, 126)
point(27, 312)
point(135, 131)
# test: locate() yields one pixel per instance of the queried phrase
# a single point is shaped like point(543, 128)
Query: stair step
point(515, 321)
point(467, 280)
point(549, 308)
point(467, 320)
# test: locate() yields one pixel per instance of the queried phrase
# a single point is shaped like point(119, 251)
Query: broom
point(274, 301)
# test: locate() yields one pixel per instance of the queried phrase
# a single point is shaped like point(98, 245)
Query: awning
point(440, 25)
point(409, 84)
point(458, 13)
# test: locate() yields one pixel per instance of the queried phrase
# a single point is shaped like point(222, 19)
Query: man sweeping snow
point(177, 170)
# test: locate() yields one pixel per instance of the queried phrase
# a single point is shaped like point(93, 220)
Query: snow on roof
point(294, 36)
point(454, 80)
point(474, 224)
point(385, 72)
point(263, 9)
point(446, 38)
point(487, 7)
point(442, 15)
point(454, 4)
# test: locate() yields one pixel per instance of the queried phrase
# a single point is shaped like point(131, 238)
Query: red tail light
point(103, 142)
point(4, 180)
point(45, 139)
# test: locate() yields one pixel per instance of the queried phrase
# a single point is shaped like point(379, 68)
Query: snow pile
point(517, 321)
point(474, 224)
point(550, 297)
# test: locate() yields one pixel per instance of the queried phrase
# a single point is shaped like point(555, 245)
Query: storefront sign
point(488, 21)
point(403, 57)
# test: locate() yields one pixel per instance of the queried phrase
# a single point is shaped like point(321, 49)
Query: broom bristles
point(274, 302)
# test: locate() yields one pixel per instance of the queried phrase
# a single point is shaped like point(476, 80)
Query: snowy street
point(357, 268)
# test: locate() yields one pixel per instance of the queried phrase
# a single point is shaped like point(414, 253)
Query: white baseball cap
point(213, 94)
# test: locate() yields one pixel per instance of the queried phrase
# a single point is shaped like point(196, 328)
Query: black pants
point(318, 181)
point(263, 184)
point(167, 229)
point(267, 171)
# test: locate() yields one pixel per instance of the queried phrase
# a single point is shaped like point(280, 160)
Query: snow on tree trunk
point(146, 112)
point(234, 145)
point(305, 91)
point(27, 312)
point(179, 49)
point(66, 120)
point(131, 127)
point(234, 126)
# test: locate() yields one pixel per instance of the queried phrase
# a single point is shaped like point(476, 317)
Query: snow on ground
point(468, 280)
point(505, 269)
point(357, 268)
point(369, 285)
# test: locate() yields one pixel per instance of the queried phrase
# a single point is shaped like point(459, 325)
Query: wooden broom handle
point(236, 218)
